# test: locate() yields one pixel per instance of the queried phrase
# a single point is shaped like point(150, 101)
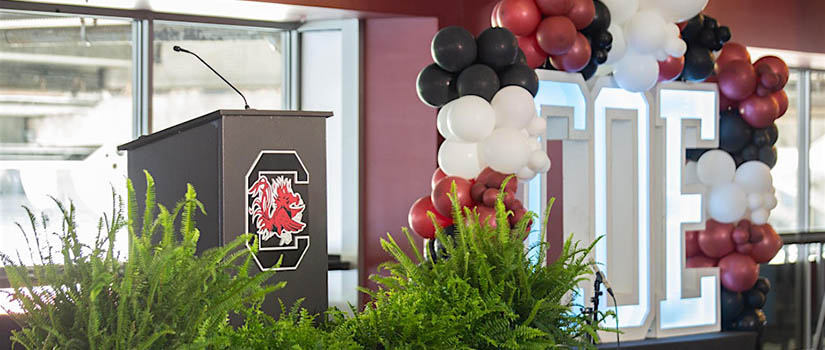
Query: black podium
point(255, 171)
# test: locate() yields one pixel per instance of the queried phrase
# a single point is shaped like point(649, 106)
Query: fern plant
point(162, 297)
point(487, 295)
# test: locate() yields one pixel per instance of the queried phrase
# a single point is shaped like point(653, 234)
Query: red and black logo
point(276, 187)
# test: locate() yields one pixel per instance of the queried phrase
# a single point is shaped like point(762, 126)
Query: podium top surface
point(215, 115)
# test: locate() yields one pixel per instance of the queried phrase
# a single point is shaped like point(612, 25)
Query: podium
point(256, 171)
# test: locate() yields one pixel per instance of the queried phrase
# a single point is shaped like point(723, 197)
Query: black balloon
point(590, 70)
point(454, 48)
point(521, 58)
point(767, 155)
point(761, 137)
point(699, 63)
point(755, 298)
point(436, 248)
point(436, 86)
point(734, 132)
point(497, 47)
point(752, 320)
point(479, 80)
point(598, 57)
point(732, 305)
point(600, 21)
point(694, 153)
point(773, 134)
point(710, 23)
point(763, 284)
point(750, 152)
point(603, 40)
point(707, 38)
point(693, 27)
point(723, 34)
point(520, 75)
point(737, 158)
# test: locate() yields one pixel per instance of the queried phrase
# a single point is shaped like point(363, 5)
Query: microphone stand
point(593, 312)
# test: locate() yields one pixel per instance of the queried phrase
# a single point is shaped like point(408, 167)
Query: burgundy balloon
point(509, 199)
point(582, 13)
point(442, 202)
point(489, 197)
point(421, 223)
point(437, 176)
point(700, 261)
point(757, 233)
point(769, 80)
point(715, 241)
point(487, 215)
point(781, 99)
point(766, 249)
point(477, 192)
point(775, 65)
point(517, 215)
point(762, 91)
point(532, 51)
point(691, 244)
point(726, 103)
point(759, 111)
point(494, 15)
point(555, 7)
point(745, 248)
point(738, 272)
point(575, 59)
point(732, 52)
point(670, 68)
point(484, 175)
point(740, 235)
point(737, 80)
point(519, 16)
point(556, 35)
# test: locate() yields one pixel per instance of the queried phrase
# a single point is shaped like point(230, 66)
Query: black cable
point(180, 49)
point(616, 306)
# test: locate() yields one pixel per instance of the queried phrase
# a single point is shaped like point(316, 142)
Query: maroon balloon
point(489, 197)
point(776, 66)
point(487, 215)
point(715, 241)
point(519, 16)
point(737, 80)
point(556, 35)
point(759, 111)
point(442, 202)
point(670, 68)
point(726, 103)
point(732, 52)
point(745, 248)
point(437, 176)
point(582, 13)
point(768, 80)
point(757, 233)
point(741, 234)
point(766, 249)
point(781, 99)
point(421, 223)
point(477, 191)
point(762, 91)
point(738, 272)
point(691, 244)
point(532, 51)
point(555, 7)
point(700, 261)
point(576, 59)
point(494, 22)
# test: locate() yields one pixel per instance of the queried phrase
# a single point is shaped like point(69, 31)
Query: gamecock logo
point(276, 209)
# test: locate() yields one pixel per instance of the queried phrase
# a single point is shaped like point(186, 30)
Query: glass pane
point(65, 104)
point(250, 58)
point(785, 218)
point(817, 165)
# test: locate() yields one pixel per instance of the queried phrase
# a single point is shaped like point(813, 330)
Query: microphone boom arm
point(180, 49)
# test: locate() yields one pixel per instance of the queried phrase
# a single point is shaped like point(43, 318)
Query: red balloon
point(519, 16)
point(576, 59)
point(726, 103)
point(781, 99)
point(509, 199)
point(738, 272)
point(700, 261)
point(762, 91)
point(555, 7)
point(477, 191)
point(776, 66)
point(442, 202)
point(715, 241)
point(766, 249)
point(582, 13)
point(487, 215)
point(518, 214)
point(421, 223)
point(757, 233)
point(670, 68)
point(437, 176)
point(532, 51)
point(759, 111)
point(556, 35)
point(691, 244)
point(732, 52)
point(494, 15)
point(745, 248)
point(769, 80)
point(741, 234)
point(737, 80)
point(489, 197)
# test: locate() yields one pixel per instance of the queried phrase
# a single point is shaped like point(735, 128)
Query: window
point(816, 151)
point(785, 216)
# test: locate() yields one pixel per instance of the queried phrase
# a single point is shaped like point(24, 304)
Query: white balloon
point(441, 122)
point(514, 107)
point(715, 167)
point(618, 47)
point(539, 162)
point(645, 32)
point(660, 55)
point(471, 118)
point(457, 158)
point(525, 174)
point(537, 127)
point(621, 10)
point(636, 73)
point(760, 216)
point(727, 203)
point(675, 11)
point(770, 200)
point(676, 47)
point(534, 144)
point(756, 201)
point(754, 176)
point(690, 173)
point(506, 150)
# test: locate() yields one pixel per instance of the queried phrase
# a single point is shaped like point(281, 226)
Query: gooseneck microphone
point(180, 49)
point(600, 276)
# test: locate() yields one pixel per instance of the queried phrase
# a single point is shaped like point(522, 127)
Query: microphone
point(180, 49)
point(600, 276)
